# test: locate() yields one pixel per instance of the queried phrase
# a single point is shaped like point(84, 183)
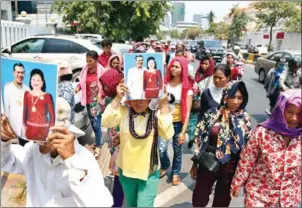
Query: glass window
point(59, 46)
point(80, 49)
point(34, 45)
point(275, 55)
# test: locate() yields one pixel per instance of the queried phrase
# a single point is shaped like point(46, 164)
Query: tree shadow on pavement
point(182, 205)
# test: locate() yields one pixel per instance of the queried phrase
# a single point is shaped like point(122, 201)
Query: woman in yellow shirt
point(138, 156)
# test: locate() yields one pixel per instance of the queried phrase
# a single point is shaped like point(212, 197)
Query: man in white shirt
point(59, 172)
point(135, 79)
point(13, 101)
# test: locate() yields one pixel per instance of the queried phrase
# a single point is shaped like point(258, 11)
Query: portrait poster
point(144, 75)
point(29, 91)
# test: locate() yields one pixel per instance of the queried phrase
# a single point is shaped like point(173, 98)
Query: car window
point(59, 46)
point(34, 45)
point(275, 55)
point(286, 56)
point(80, 49)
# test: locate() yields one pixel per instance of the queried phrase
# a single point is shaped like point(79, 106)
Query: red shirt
point(90, 78)
point(103, 59)
point(234, 73)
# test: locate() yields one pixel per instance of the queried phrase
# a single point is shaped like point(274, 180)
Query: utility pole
point(45, 10)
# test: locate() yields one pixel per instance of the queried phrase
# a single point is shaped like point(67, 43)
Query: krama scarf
point(235, 127)
point(277, 121)
point(199, 76)
point(187, 83)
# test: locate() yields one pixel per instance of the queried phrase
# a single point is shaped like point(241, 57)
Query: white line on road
point(173, 191)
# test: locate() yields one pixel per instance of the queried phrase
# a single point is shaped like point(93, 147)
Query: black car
point(212, 48)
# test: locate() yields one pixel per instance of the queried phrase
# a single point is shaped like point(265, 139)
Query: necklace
point(34, 109)
point(150, 75)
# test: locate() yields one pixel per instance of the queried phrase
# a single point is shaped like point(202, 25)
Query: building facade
point(178, 12)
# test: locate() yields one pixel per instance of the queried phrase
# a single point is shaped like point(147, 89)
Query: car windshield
point(298, 56)
point(212, 44)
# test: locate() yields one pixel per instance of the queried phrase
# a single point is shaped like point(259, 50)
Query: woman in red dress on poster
point(38, 110)
point(153, 82)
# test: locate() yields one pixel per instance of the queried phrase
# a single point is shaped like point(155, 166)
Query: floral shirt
point(270, 171)
point(66, 91)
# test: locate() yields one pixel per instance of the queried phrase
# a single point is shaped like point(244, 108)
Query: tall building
point(166, 21)
point(178, 12)
point(202, 20)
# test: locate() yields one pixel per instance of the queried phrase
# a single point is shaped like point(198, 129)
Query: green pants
point(139, 193)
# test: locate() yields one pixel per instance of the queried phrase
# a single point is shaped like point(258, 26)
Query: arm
point(189, 106)
point(25, 106)
point(83, 175)
point(247, 161)
point(145, 77)
point(282, 79)
point(12, 157)
point(113, 113)
point(160, 80)
point(51, 110)
point(203, 106)
point(6, 100)
point(165, 126)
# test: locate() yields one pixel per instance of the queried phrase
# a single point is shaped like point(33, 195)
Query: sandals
point(163, 172)
point(176, 180)
point(97, 152)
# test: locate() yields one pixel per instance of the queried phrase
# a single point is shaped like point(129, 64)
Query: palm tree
point(211, 17)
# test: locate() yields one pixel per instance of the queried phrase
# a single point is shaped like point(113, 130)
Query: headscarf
point(187, 83)
point(120, 59)
point(110, 80)
point(235, 127)
point(277, 121)
point(199, 76)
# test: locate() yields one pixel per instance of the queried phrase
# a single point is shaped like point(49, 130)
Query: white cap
point(236, 47)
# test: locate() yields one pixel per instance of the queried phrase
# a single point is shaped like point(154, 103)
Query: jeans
point(177, 148)
point(139, 193)
point(96, 126)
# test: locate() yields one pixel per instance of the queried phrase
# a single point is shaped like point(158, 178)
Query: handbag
point(207, 160)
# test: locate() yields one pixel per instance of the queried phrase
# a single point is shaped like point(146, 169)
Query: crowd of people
point(205, 106)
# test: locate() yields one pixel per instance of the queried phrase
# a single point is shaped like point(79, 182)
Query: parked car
point(264, 64)
point(212, 48)
point(47, 48)
point(193, 45)
point(91, 37)
point(258, 49)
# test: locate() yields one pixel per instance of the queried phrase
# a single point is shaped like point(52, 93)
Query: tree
point(222, 31)
point(211, 17)
point(174, 34)
point(239, 21)
point(271, 12)
point(184, 34)
point(115, 19)
point(193, 33)
point(294, 23)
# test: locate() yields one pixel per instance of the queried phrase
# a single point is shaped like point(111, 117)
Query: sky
point(220, 8)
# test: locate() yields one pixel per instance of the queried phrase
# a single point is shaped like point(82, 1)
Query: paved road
point(181, 196)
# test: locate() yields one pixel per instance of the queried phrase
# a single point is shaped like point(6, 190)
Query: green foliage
point(294, 23)
point(174, 34)
point(271, 12)
point(184, 34)
point(239, 21)
point(194, 33)
point(222, 31)
point(211, 17)
point(115, 19)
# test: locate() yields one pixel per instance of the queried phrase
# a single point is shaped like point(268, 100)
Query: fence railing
point(12, 32)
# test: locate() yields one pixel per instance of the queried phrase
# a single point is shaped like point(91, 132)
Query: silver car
point(264, 64)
